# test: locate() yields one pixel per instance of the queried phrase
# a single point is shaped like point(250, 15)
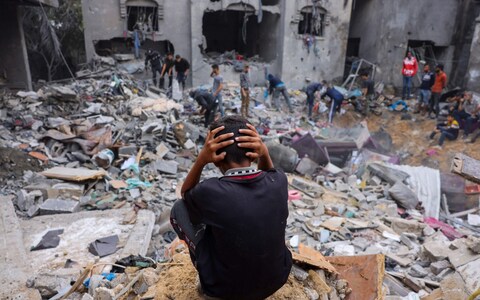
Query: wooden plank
point(319, 285)
point(73, 174)
point(466, 167)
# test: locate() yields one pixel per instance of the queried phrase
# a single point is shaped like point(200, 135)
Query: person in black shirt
point(155, 60)
point(182, 66)
point(207, 102)
point(168, 65)
point(234, 225)
point(368, 91)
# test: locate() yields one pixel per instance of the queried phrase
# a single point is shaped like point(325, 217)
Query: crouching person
point(207, 103)
point(448, 130)
point(234, 225)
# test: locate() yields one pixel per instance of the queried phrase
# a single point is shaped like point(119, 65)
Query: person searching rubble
point(277, 86)
point(207, 103)
point(368, 91)
point(336, 100)
point(182, 67)
point(437, 89)
point(448, 130)
point(167, 69)
point(155, 60)
point(234, 225)
point(312, 88)
point(217, 88)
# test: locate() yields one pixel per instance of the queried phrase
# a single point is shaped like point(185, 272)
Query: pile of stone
point(113, 143)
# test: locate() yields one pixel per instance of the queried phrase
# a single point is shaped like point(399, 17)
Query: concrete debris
point(113, 153)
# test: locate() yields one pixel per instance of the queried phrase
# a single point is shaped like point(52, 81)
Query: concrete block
point(417, 271)
point(438, 266)
point(306, 166)
point(473, 244)
point(58, 206)
point(102, 293)
point(162, 150)
point(436, 251)
point(166, 166)
point(127, 150)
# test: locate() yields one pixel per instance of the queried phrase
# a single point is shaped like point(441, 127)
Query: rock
point(436, 250)
point(102, 293)
point(407, 241)
point(306, 166)
point(87, 297)
point(299, 273)
point(401, 225)
point(473, 244)
point(311, 293)
point(48, 285)
point(438, 266)
point(418, 271)
point(428, 231)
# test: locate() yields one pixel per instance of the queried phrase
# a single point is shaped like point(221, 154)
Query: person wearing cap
point(155, 60)
point(437, 88)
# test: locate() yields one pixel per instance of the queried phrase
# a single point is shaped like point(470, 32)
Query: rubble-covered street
point(97, 140)
point(87, 164)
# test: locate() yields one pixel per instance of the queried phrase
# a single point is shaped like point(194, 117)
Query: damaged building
point(14, 65)
point(296, 40)
point(437, 31)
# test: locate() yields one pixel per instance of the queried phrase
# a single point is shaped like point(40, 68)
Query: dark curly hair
point(232, 124)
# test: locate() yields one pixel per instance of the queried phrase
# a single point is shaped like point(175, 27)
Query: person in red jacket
point(437, 88)
point(410, 68)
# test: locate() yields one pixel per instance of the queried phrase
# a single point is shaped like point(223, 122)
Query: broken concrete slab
point(471, 275)
point(466, 167)
point(390, 175)
point(15, 272)
point(73, 174)
point(58, 206)
point(438, 266)
point(166, 166)
point(436, 251)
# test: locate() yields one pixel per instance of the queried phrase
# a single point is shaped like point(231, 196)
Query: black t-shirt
point(243, 253)
point(169, 63)
point(182, 65)
point(368, 84)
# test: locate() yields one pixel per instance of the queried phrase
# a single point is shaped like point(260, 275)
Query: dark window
point(312, 21)
point(239, 31)
point(144, 18)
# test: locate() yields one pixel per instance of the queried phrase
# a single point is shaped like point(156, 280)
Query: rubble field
point(90, 169)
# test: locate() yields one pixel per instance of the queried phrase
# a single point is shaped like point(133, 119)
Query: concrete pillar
point(473, 72)
point(13, 54)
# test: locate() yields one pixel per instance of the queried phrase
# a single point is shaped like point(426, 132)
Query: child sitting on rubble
point(448, 130)
point(234, 225)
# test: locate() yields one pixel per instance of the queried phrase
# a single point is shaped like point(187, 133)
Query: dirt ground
point(179, 282)
point(410, 138)
point(13, 162)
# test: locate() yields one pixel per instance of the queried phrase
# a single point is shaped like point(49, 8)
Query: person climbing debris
point(182, 67)
point(167, 69)
point(155, 60)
